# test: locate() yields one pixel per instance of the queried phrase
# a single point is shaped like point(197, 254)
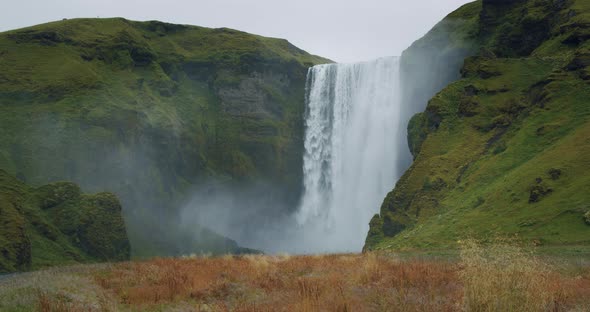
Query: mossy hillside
point(432, 62)
point(147, 109)
point(503, 150)
point(57, 224)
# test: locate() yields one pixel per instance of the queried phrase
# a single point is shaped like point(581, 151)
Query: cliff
point(502, 148)
point(57, 224)
point(147, 110)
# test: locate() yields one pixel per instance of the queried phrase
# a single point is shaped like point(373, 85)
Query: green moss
point(102, 211)
point(375, 234)
point(15, 246)
point(417, 132)
point(147, 109)
point(57, 193)
point(56, 224)
point(509, 138)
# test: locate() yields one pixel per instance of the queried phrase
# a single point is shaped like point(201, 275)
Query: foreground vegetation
point(496, 278)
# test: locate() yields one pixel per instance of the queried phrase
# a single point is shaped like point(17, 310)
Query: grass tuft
point(505, 277)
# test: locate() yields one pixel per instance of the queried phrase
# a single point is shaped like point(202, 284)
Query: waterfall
point(351, 136)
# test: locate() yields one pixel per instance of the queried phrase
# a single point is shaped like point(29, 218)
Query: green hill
point(503, 148)
point(146, 110)
point(57, 224)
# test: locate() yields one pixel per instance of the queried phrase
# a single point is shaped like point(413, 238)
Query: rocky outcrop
point(57, 224)
point(15, 245)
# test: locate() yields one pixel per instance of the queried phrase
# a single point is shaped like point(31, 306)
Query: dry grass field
point(495, 278)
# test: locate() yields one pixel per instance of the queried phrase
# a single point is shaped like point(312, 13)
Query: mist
point(349, 166)
point(252, 215)
point(356, 148)
point(257, 220)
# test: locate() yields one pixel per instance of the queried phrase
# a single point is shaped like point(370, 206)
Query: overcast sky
point(342, 30)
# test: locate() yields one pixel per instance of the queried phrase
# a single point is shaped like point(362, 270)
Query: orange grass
point(56, 303)
point(368, 282)
point(298, 283)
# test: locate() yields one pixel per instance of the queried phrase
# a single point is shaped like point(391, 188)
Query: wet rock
point(538, 191)
point(471, 90)
point(554, 173)
point(578, 33)
point(559, 4)
point(254, 95)
point(571, 13)
point(581, 60)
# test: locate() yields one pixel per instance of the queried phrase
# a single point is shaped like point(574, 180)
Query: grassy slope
point(57, 224)
point(117, 73)
point(504, 149)
point(145, 109)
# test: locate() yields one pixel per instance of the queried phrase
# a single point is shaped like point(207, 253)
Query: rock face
point(146, 110)
point(15, 244)
point(57, 224)
point(432, 62)
point(501, 150)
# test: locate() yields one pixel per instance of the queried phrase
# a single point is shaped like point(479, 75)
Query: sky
point(341, 30)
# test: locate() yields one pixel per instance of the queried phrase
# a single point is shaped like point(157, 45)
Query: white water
point(350, 160)
point(353, 139)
